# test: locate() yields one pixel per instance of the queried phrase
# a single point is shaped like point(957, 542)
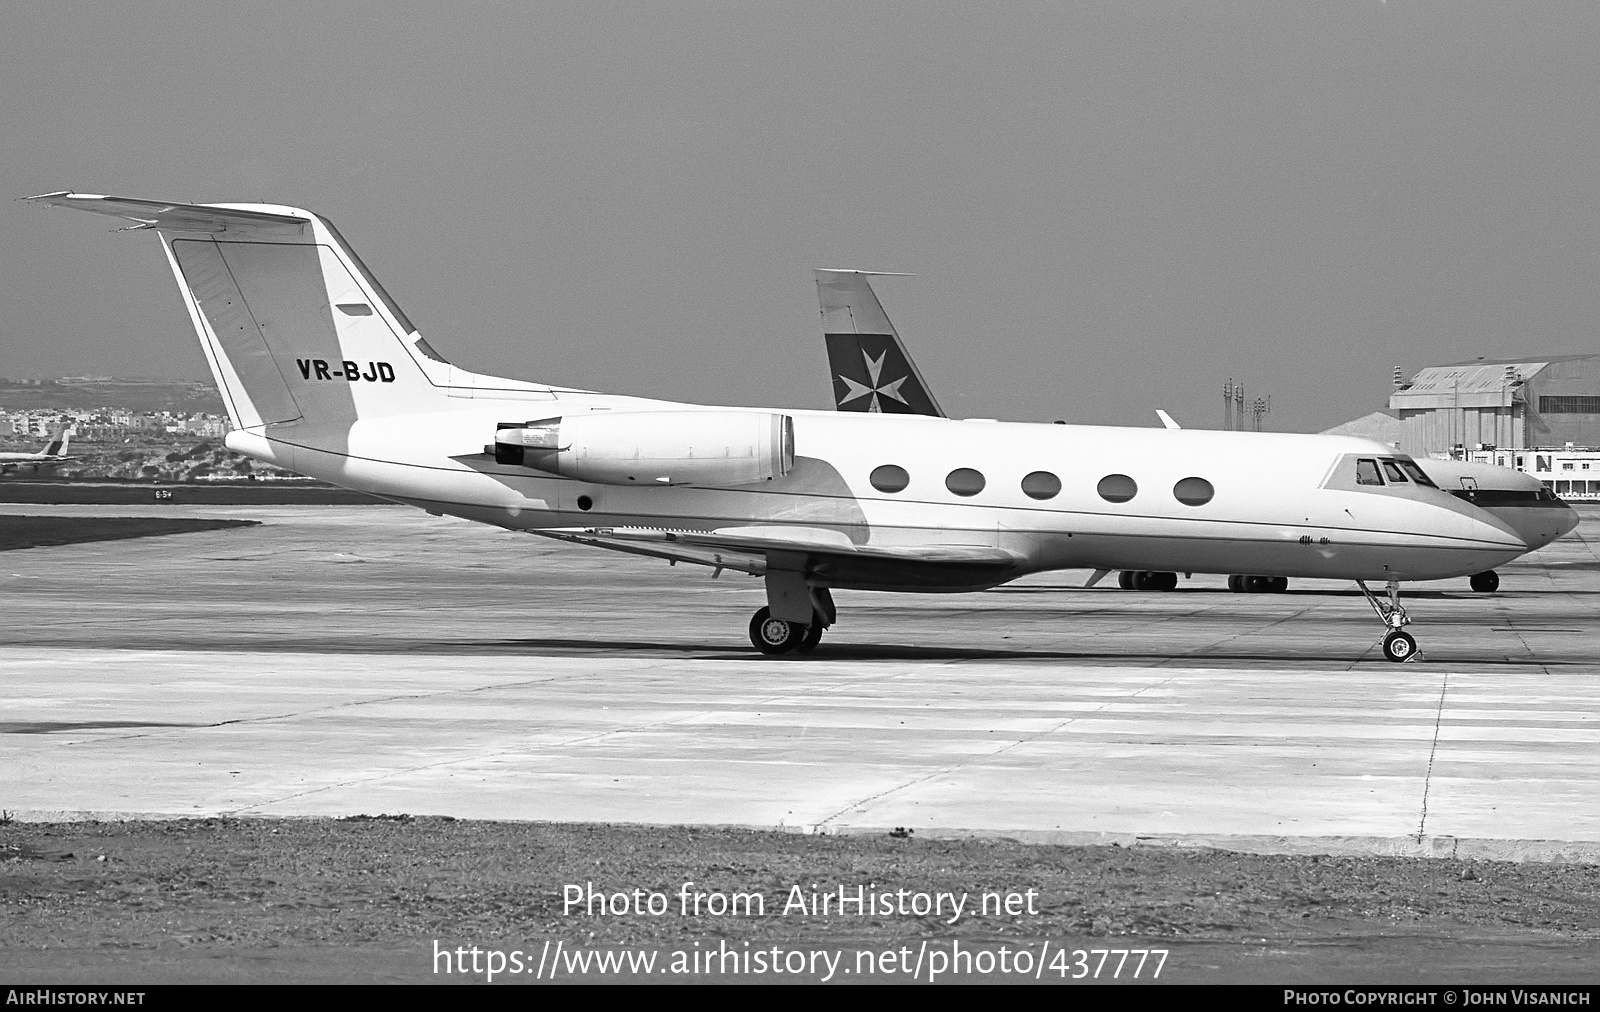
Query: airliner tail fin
point(871, 370)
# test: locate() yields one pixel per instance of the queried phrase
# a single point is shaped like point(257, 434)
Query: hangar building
point(1549, 401)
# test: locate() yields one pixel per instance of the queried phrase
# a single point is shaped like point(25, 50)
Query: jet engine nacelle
point(653, 447)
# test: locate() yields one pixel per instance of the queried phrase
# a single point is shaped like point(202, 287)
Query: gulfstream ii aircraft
point(324, 374)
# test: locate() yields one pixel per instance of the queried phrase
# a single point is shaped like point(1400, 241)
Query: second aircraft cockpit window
point(1417, 474)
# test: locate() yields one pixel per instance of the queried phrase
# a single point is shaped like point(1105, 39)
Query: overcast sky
point(1109, 207)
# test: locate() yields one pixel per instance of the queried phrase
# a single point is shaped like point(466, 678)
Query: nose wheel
point(1398, 645)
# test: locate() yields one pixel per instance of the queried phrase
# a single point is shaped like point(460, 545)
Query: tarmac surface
point(343, 660)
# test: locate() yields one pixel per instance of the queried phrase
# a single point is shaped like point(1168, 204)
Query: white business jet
point(324, 374)
point(873, 372)
point(38, 464)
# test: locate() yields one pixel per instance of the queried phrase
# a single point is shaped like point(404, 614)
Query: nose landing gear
point(1398, 645)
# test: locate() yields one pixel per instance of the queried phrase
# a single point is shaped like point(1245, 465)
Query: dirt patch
point(325, 899)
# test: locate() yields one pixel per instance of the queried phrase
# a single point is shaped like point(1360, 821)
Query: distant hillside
point(178, 396)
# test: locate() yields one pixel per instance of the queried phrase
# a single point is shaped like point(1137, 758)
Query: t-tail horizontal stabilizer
point(871, 370)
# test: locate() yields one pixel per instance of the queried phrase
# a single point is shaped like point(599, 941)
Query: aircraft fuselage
point(1277, 506)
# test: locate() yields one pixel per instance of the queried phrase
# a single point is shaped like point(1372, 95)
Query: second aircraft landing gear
point(1485, 583)
point(1398, 645)
point(1133, 579)
point(1258, 584)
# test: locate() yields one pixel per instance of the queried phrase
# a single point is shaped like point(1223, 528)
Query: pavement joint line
point(1203, 650)
point(1017, 743)
point(1510, 623)
point(567, 743)
point(1433, 749)
point(169, 732)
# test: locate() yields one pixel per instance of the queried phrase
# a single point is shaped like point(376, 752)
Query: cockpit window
point(1417, 474)
point(1393, 472)
point(1367, 472)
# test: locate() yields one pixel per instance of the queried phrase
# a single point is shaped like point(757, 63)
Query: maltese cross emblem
point(874, 375)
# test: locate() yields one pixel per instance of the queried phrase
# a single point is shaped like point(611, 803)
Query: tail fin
point(58, 441)
point(871, 370)
point(294, 325)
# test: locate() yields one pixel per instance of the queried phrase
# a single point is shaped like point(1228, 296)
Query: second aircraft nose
point(1537, 524)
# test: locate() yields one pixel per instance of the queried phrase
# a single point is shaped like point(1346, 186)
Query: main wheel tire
point(1280, 584)
point(774, 635)
point(1399, 646)
point(1125, 579)
point(1236, 584)
point(1486, 583)
point(812, 637)
point(1163, 581)
point(1258, 585)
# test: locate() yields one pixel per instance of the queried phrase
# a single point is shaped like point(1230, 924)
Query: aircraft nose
point(1569, 521)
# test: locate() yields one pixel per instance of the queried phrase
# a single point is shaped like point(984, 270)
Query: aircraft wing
point(164, 214)
point(747, 549)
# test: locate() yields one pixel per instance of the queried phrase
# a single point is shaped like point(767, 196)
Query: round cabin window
point(1117, 488)
point(964, 481)
point(1041, 485)
point(1193, 491)
point(889, 478)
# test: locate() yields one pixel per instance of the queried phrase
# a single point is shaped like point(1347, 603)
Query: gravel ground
point(319, 896)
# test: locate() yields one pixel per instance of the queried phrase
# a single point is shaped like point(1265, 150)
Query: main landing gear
point(1258, 584)
point(777, 636)
point(1398, 645)
point(1131, 579)
point(773, 635)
